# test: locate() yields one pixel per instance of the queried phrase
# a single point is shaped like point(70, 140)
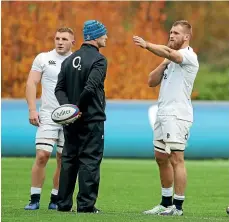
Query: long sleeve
point(95, 78)
point(60, 90)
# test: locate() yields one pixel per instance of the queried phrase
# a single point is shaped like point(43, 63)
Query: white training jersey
point(49, 65)
point(176, 87)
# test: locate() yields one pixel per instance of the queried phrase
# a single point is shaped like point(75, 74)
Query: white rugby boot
point(171, 211)
point(156, 210)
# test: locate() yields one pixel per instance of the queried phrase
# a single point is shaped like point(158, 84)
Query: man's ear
point(187, 37)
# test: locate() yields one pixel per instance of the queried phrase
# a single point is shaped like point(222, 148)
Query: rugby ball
point(65, 114)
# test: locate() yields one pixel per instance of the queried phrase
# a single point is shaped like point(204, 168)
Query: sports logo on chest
point(52, 63)
point(165, 75)
point(52, 69)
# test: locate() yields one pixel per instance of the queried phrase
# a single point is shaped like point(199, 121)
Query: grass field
point(127, 188)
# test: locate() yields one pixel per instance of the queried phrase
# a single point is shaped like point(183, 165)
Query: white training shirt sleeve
point(38, 65)
point(189, 57)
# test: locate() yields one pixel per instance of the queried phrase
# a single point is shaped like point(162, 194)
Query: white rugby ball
point(65, 114)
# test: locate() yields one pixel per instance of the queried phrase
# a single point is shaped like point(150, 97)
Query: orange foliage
point(28, 28)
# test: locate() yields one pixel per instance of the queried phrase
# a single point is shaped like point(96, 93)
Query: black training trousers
point(82, 155)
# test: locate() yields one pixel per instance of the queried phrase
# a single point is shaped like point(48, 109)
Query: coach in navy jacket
point(81, 82)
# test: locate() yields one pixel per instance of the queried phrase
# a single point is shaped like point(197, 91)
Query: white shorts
point(48, 135)
point(172, 131)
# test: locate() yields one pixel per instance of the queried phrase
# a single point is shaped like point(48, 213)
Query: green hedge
point(211, 84)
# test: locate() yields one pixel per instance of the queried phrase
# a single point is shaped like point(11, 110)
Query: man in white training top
point(45, 69)
point(176, 74)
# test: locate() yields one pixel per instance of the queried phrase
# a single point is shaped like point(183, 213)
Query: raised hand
point(139, 41)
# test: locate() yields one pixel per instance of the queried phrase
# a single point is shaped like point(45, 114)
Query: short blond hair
point(185, 24)
point(65, 29)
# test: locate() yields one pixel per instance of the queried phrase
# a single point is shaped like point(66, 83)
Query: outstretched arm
point(159, 50)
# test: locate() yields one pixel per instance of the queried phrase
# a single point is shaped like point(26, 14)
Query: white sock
point(177, 197)
point(167, 192)
point(54, 191)
point(35, 190)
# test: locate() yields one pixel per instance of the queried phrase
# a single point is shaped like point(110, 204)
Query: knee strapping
point(45, 144)
point(172, 147)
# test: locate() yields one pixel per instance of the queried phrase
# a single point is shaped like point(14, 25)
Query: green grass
point(127, 188)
